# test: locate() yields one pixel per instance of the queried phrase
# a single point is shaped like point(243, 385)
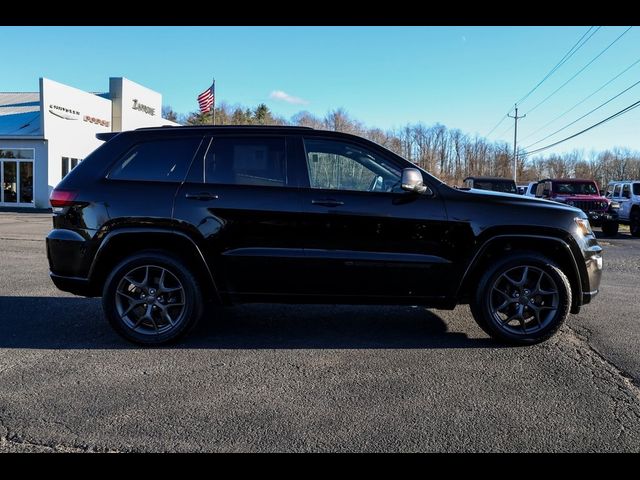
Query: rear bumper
point(69, 261)
point(75, 285)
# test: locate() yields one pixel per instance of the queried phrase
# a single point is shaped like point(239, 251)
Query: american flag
point(206, 100)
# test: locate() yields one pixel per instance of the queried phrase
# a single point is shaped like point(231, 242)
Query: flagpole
point(214, 101)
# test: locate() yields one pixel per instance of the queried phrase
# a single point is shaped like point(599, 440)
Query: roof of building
point(20, 113)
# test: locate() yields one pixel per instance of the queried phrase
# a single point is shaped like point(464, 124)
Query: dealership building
point(45, 134)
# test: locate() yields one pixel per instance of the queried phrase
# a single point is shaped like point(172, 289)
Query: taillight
point(62, 198)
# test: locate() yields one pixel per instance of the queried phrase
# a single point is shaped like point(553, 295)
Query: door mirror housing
point(412, 181)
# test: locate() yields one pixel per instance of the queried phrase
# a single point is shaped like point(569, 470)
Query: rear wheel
point(152, 298)
point(634, 222)
point(610, 229)
point(522, 299)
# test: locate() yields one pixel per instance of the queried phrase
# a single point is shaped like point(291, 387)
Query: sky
point(460, 76)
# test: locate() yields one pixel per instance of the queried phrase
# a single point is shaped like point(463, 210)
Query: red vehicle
point(585, 195)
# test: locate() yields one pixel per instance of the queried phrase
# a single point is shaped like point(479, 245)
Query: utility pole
point(515, 142)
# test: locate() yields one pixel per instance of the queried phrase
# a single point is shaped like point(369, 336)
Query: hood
point(565, 198)
point(513, 199)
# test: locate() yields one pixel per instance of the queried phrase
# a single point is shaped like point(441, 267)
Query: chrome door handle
point(201, 196)
point(328, 202)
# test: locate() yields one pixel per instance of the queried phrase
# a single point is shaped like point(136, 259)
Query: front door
point(364, 236)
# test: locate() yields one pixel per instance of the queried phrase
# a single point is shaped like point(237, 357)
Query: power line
point(586, 114)
point(583, 100)
point(562, 61)
point(499, 123)
point(617, 114)
point(507, 130)
point(580, 71)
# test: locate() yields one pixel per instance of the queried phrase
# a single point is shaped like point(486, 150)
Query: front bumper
point(598, 218)
point(593, 263)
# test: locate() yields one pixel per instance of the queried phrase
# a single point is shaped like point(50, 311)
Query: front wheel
point(523, 299)
point(610, 229)
point(152, 298)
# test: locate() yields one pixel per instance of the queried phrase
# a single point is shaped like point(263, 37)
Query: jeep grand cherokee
point(158, 220)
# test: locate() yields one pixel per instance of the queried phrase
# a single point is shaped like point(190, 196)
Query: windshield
point(507, 187)
point(575, 188)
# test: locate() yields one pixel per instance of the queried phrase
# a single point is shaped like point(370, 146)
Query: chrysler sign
point(62, 112)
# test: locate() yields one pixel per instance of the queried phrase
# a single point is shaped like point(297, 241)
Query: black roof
point(226, 127)
point(240, 129)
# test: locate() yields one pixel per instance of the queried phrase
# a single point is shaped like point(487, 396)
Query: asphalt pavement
point(270, 378)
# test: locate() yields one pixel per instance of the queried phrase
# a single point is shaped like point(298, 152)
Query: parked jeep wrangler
point(627, 194)
point(585, 195)
point(156, 221)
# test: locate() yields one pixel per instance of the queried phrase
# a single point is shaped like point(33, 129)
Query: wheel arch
point(555, 248)
point(121, 243)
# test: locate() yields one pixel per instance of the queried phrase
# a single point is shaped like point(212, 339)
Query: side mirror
point(412, 181)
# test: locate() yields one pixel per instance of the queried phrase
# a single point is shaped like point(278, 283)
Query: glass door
point(9, 182)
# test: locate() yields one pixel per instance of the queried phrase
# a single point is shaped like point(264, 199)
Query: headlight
point(614, 205)
point(583, 226)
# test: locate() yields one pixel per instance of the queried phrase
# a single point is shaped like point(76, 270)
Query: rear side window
point(157, 160)
point(247, 161)
point(636, 188)
point(626, 191)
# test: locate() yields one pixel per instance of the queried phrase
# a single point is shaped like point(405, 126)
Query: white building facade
point(45, 134)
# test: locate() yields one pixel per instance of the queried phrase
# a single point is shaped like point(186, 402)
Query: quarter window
point(336, 165)
point(158, 161)
point(247, 161)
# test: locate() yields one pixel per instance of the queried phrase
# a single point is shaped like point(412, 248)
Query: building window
point(69, 164)
point(16, 175)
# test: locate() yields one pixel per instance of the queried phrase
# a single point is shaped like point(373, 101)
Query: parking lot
point(311, 378)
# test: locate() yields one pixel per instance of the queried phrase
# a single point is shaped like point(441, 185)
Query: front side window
point(575, 188)
point(157, 160)
point(616, 191)
point(609, 192)
point(247, 161)
point(336, 165)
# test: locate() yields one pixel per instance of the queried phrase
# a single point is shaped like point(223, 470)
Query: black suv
point(158, 220)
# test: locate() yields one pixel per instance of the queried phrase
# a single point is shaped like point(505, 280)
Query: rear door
point(364, 236)
point(242, 199)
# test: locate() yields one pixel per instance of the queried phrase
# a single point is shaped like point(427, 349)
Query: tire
point(176, 295)
point(522, 299)
point(634, 222)
point(610, 229)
